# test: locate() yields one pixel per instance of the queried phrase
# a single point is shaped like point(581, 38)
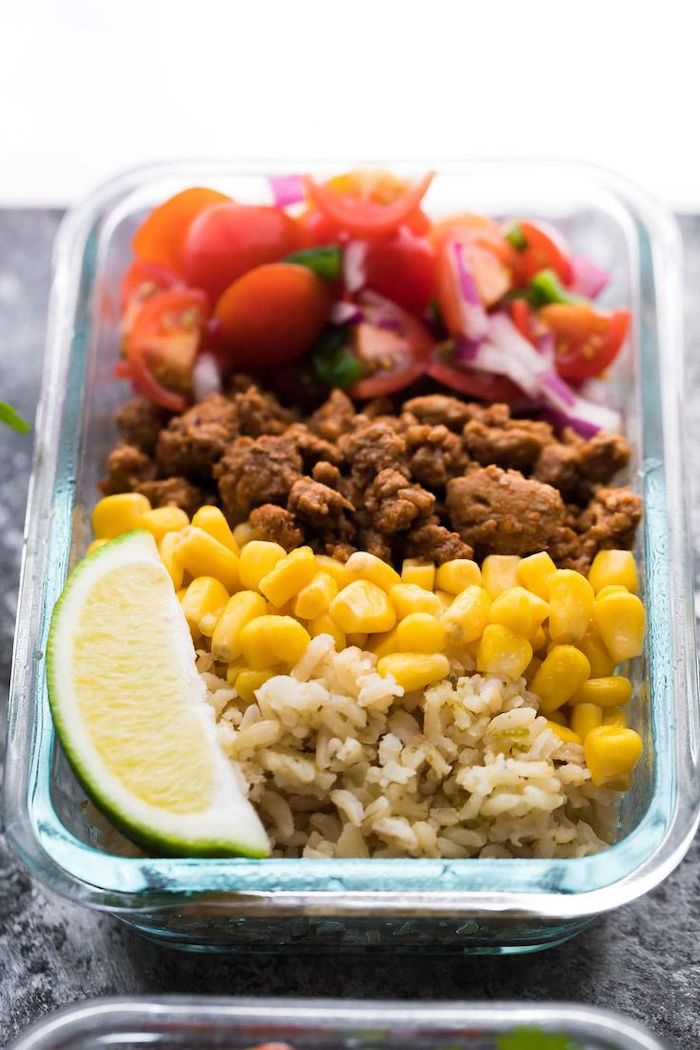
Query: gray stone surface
point(643, 959)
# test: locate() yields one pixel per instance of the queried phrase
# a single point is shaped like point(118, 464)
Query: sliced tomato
point(163, 345)
point(470, 228)
point(368, 203)
point(161, 236)
point(587, 342)
point(140, 282)
point(484, 385)
point(392, 358)
point(316, 229)
point(541, 253)
point(521, 315)
point(402, 267)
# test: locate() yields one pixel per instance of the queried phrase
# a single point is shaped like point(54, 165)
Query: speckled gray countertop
point(643, 959)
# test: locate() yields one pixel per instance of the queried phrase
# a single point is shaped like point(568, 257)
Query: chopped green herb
point(534, 1039)
point(545, 287)
point(11, 417)
point(333, 361)
point(326, 263)
point(516, 238)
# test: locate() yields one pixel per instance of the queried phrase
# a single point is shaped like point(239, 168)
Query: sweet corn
point(415, 670)
point(409, 598)
point(325, 624)
point(565, 734)
point(363, 606)
point(163, 520)
point(612, 588)
point(453, 576)
point(180, 594)
point(520, 610)
point(540, 639)
point(420, 632)
point(240, 609)
point(531, 670)
point(316, 596)
point(289, 575)
point(558, 718)
point(598, 656)
point(233, 670)
point(563, 670)
point(212, 520)
point(243, 534)
point(383, 644)
point(422, 573)
point(611, 753)
point(610, 691)
point(467, 616)
point(113, 515)
point(337, 569)
point(358, 638)
point(614, 716)
point(257, 559)
point(247, 682)
point(205, 597)
point(202, 555)
point(95, 545)
point(364, 566)
point(534, 572)
point(445, 597)
point(584, 718)
point(570, 605)
point(502, 652)
point(611, 567)
point(269, 640)
point(169, 553)
point(620, 622)
point(498, 572)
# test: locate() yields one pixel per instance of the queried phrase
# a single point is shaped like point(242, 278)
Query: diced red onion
point(557, 389)
point(589, 279)
point(467, 350)
point(346, 313)
point(475, 321)
point(206, 377)
point(380, 311)
point(354, 275)
point(546, 344)
point(287, 189)
point(597, 391)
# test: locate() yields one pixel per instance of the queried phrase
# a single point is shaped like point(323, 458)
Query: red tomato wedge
point(541, 253)
point(272, 314)
point(402, 268)
point(521, 315)
point(141, 281)
point(161, 236)
point(587, 342)
point(392, 358)
point(163, 345)
point(368, 203)
point(476, 229)
point(484, 385)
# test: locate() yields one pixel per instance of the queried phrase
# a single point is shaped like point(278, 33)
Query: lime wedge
point(131, 713)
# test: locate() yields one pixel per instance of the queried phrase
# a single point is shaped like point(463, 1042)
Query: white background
point(88, 87)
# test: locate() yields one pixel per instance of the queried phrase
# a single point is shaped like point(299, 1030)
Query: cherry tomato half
point(491, 278)
point(392, 358)
point(521, 315)
point(469, 381)
point(161, 236)
point(368, 203)
point(272, 314)
point(228, 240)
point(402, 267)
point(541, 253)
point(140, 282)
point(587, 342)
point(163, 345)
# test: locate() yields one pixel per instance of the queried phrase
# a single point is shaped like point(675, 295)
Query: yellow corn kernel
point(534, 572)
point(563, 670)
point(95, 545)
point(445, 597)
point(364, 566)
point(498, 572)
point(336, 569)
point(540, 639)
point(240, 609)
point(363, 606)
point(247, 682)
point(233, 670)
point(420, 632)
point(613, 567)
point(620, 622)
point(415, 670)
point(270, 640)
point(611, 752)
point(163, 520)
point(570, 605)
point(614, 716)
point(169, 552)
point(325, 624)
point(613, 588)
point(289, 575)
point(520, 610)
point(316, 596)
point(531, 670)
point(558, 718)
point(212, 520)
point(502, 652)
point(565, 734)
point(243, 534)
point(180, 594)
point(358, 638)
point(202, 555)
point(455, 575)
point(598, 656)
point(113, 515)
point(422, 573)
point(610, 691)
point(409, 598)
point(257, 559)
point(467, 616)
point(383, 644)
point(204, 597)
point(584, 718)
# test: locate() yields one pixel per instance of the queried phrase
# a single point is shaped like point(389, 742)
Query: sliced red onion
point(597, 391)
point(287, 189)
point(589, 279)
point(467, 350)
point(546, 344)
point(557, 389)
point(585, 418)
point(206, 377)
point(346, 313)
point(380, 311)
point(354, 275)
point(475, 321)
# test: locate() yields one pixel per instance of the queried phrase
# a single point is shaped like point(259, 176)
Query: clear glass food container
point(362, 905)
point(175, 1023)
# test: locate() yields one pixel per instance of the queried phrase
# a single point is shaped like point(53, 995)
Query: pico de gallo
point(350, 283)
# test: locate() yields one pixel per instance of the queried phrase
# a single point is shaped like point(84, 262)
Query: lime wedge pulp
point(130, 708)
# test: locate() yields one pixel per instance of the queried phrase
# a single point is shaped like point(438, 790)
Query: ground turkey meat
point(394, 504)
point(433, 542)
point(610, 520)
point(276, 525)
point(371, 449)
point(334, 417)
point(439, 409)
point(260, 413)
point(576, 466)
point(499, 511)
point(140, 422)
point(311, 447)
point(513, 444)
point(174, 492)
point(434, 454)
point(254, 472)
point(127, 466)
point(194, 442)
point(316, 503)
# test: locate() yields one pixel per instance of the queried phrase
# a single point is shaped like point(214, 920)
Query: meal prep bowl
point(209, 1024)
point(474, 905)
